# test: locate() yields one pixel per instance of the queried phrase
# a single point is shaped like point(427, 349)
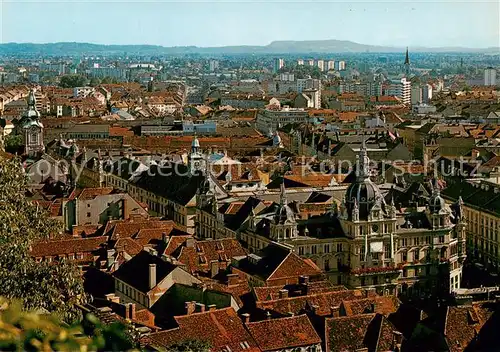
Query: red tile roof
point(323, 302)
point(198, 258)
point(284, 333)
point(380, 304)
point(222, 328)
point(67, 246)
point(91, 193)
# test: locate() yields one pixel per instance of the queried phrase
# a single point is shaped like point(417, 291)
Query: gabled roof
point(67, 246)
point(222, 328)
point(371, 331)
point(135, 272)
point(321, 302)
point(274, 263)
point(284, 333)
point(198, 258)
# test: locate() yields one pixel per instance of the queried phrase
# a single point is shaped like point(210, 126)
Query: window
point(415, 255)
point(327, 265)
point(88, 215)
point(404, 256)
point(301, 250)
point(339, 247)
point(313, 249)
point(88, 205)
point(441, 239)
point(327, 248)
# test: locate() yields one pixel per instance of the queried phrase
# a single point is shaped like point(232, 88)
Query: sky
point(428, 23)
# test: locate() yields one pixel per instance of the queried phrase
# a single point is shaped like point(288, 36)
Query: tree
point(108, 80)
point(12, 143)
point(28, 331)
point(94, 81)
point(72, 81)
point(190, 346)
point(52, 287)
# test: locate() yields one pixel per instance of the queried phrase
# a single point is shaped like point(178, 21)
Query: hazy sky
point(221, 22)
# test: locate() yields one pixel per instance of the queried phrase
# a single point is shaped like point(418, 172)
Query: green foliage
point(28, 331)
point(94, 81)
point(51, 287)
point(108, 80)
point(13, 143)
point(190, 346)
point(72, 81)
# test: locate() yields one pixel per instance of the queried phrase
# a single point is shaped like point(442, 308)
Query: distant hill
point(276, 47)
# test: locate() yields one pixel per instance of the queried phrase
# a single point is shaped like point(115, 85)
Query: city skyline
point(472, 25)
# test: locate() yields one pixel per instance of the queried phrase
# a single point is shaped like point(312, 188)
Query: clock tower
point(31, 129)
point(196, 160)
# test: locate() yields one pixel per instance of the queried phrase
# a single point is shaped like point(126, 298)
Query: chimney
point(283, 293)
point(314, 309)
point(232, 279)
point(111, 297)
point(164, 237)
point(127, 310)
point(214, 268)
point(190, 307)
point(246, 318)
point(190, 242)
point(268, 315)
point(303, 279)
point(212, 307)
point(131, 311)
point(201, 306)
point(109, 256)
point(373, 307)
point(397, 338)
point(152, 276)
point(335, 311)
point(125, 207)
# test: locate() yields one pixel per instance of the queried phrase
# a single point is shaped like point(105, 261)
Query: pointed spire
point(363, 162)
point(283, 200)
point(31, 99)
point(407, 57)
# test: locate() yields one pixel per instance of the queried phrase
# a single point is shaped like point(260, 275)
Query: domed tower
point(31, 129)
point(438, 212)
point(283, 225)
point(371, 224)
point(362, 195)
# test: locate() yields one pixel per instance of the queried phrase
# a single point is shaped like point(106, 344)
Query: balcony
point(377, 270)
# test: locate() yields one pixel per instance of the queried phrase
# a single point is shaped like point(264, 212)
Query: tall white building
point(214, 65)
point(321, 65)
point(416, 95)
point(490, 77)
point(426, 93)
point(310, 62)
point(300, 62)
point(339, 65)
point(401, 89)
point(278, 64)
point(331, 65)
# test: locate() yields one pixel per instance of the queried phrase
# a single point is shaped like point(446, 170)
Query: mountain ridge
point(275, 47)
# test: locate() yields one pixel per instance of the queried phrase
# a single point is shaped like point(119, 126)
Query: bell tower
point(196, 161)
point(31, 129)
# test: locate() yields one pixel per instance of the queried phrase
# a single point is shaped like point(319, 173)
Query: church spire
point(407, 63)
point(283, 200)
point(364, 161)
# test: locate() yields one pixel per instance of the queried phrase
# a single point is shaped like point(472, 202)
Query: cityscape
point(309, 195)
